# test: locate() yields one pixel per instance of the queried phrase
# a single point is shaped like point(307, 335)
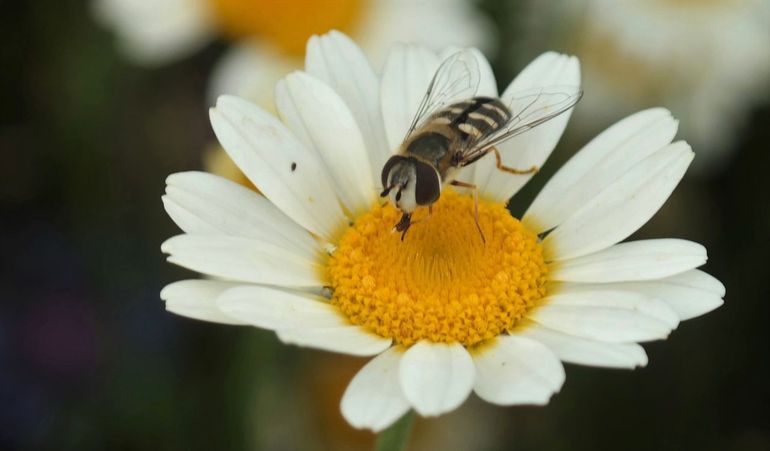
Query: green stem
point(396, 436)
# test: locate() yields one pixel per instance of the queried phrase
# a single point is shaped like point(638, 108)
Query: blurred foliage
point(91, 360)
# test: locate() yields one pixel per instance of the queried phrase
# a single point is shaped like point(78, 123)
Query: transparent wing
point(529, 109)
point(456, 79)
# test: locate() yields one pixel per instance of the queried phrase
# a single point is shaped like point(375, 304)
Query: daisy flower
point(442, 313)
point(708, 59)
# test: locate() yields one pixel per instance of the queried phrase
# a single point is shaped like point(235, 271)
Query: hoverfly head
point(410, 183)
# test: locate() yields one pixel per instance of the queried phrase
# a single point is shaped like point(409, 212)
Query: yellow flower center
point(442, 283)
point(286, 23)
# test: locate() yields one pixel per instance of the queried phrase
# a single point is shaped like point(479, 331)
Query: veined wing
point(456, 79)
point(529, 109)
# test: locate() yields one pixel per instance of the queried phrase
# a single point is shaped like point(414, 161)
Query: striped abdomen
point(473, 118)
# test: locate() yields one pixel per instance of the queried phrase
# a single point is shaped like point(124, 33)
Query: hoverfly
point(454, 128)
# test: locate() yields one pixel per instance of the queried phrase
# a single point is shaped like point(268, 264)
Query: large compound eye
point(392, 161)
point(428, 187)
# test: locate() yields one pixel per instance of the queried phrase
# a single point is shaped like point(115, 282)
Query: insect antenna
point(386, 191)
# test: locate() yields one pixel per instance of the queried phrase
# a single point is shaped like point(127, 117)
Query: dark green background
point(89, 359)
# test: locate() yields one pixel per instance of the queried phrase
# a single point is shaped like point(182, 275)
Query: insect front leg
point(403, 224)
point(500, 166)
point(475, 204)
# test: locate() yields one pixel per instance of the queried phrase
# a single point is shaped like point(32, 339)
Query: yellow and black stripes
point(473, 118)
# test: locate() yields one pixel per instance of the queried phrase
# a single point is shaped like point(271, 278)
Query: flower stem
point(396, 436)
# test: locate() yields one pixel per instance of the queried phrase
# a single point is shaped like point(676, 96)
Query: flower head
point(443, 313)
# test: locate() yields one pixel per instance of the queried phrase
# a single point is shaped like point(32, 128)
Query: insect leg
point(500, 166)
point(475, 204)
point(403, 224)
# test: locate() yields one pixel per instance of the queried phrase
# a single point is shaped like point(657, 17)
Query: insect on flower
point(453, 128)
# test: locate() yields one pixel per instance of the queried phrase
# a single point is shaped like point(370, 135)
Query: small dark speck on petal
point(293, 166)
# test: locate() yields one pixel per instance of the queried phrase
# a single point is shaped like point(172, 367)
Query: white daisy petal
point(342, 339)
point(300, 319)
point(517, 370)
point(243, 259)
point(602, 295)
point(534, 147)
point(686, 301)
point(275, 309)
point(634, 260)
point(698, 279)
point(622, 207)
point(405, 79)
point(337, 61)
point(605, 158)
point(188, 221)
point(206, 204)
point(436, 377)
point(196, 299)
point(373, 399)
point(613, 325)
point(319, 117)
point(288, 173)
point(582, 351)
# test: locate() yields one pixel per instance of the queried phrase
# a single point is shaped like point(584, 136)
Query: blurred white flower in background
point(706, 60)
point(269, 35)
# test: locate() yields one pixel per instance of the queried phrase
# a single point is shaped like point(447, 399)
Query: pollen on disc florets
point(441, 283)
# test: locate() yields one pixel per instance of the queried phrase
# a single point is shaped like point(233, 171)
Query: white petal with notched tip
point(197, 299)
point(436, 377)
point(373, 399)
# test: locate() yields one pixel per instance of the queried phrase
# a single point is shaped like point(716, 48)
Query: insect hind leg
point(475, 204)
point(502, 167)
